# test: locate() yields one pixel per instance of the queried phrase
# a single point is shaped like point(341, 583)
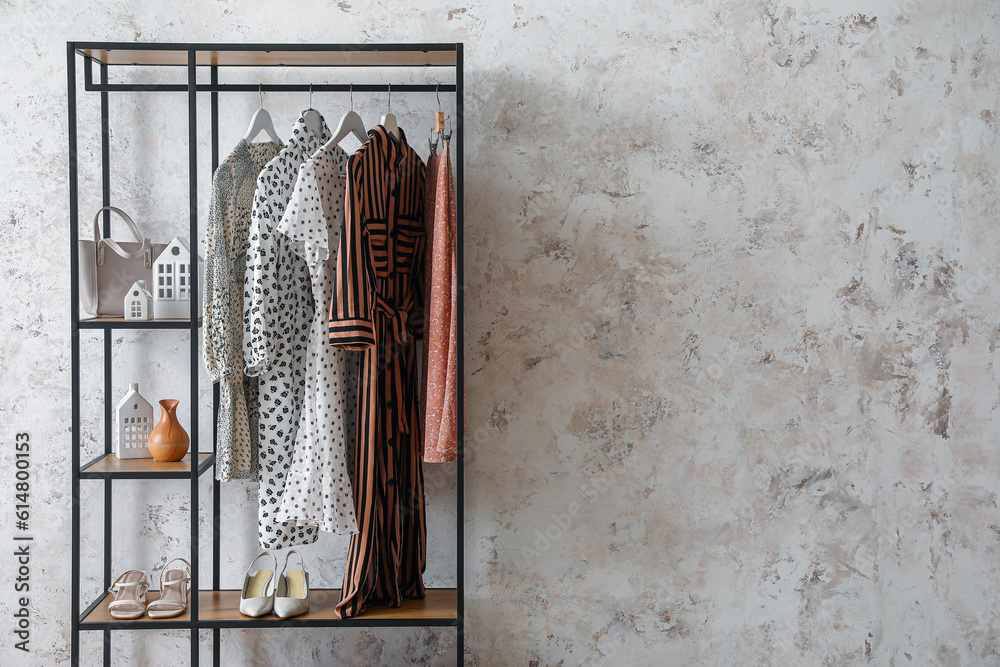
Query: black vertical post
point(108, 387)
point(460, 371)
point(105, 150)
point(106, 647)
point(217, 496)
point(193, 286)
point(74, 309)
point(88, 72)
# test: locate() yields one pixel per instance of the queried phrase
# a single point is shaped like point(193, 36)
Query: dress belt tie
point(399, 333)
point(398, 317)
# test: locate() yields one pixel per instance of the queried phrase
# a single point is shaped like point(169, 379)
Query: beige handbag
point(108, 268)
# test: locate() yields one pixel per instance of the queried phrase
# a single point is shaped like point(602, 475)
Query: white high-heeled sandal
point(257, 596)
point(130, 595)
point(174, 588)
point(292, 595)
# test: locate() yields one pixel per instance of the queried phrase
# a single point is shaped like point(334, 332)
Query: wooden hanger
point(438, 122)
point(439, 116)
point(261, 121)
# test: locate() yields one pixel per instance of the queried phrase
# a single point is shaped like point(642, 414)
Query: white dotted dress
point(318, 488)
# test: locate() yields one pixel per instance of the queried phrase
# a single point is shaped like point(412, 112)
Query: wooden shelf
point(277, 55)
point(109, 466)
point(221, 609)
point(122, 323)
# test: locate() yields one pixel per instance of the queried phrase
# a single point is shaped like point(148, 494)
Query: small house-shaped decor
point(134, 422)
point(172, 281)
point(138, 302)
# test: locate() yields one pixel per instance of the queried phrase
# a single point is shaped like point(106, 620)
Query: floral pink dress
point(440, 398)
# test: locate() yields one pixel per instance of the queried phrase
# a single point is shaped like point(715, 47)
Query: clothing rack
point(214, 608)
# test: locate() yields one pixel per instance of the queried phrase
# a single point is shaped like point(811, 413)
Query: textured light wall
point(731, 325)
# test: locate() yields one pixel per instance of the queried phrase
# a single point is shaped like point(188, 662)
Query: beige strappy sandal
point(174, 588)
point(130, 595)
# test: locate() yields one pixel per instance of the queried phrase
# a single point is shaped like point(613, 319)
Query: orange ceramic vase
point(168, 441)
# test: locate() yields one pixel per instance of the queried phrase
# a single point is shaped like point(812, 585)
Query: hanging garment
point(439, 404)
point(225, 265)
point(277, 313)
point(375, 308)
point(318, 486)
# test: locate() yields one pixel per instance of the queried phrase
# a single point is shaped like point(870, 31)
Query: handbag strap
point(113, 244)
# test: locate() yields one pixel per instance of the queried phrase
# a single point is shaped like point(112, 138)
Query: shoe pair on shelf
point(265, 591)
point(131, 587)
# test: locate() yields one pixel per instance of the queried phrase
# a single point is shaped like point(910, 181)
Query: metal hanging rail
point(442, 607)
point(270, 87)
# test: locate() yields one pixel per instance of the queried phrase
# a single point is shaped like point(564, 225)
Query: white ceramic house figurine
point(134, 422)
point(172, 281)
point(138, 302)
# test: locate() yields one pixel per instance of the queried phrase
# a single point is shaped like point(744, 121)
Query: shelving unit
point(213, 608)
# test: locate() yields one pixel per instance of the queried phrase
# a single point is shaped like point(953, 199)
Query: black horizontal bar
point(138, 624)
point(102, 323)
point(207, 46)
point(357, 622)
point(143, 474)
point(169, 624)
point(272, 87)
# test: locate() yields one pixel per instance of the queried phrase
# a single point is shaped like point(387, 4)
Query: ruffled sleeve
point(304, 221)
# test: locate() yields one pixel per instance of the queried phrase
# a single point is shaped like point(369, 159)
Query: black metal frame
point(74, 50)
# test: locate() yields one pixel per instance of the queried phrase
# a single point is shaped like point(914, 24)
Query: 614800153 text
point(22, 541)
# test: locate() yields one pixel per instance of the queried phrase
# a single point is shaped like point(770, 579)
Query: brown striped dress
point(377, 308)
